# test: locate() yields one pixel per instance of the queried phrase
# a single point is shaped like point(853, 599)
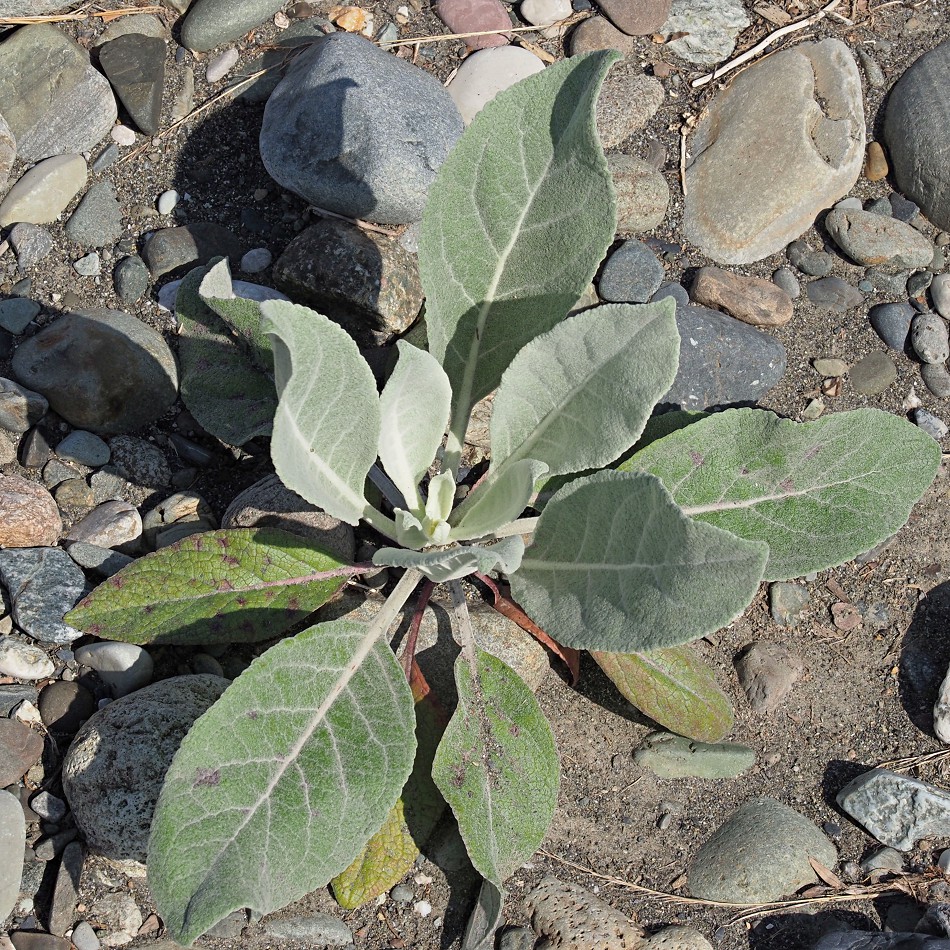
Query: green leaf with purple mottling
point(228, 586)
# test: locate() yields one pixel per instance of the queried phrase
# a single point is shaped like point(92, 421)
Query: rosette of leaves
point(294, 778)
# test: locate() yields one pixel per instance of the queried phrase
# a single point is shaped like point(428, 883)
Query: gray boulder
point(784, 141)
point(917, 133)
point(355, 130)
point(210, 23)
point(101, 370)
point(114, 769)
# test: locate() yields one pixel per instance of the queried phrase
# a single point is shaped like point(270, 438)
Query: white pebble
point(281, 20)
point(27, 713)
point(167, 201)
point(123, 135)
point(123, 667)
point(88, 266)
point(422, 908)
point(256, 260)
point(23, 661)
point(544, 12)
point(221, 65)
point(84, 937)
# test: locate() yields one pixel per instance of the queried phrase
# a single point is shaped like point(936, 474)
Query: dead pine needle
point(81, 13)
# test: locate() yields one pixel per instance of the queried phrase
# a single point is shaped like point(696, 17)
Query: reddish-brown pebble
point(474, 16)
point(749, 299)
point(875, 164)
point(29, 517)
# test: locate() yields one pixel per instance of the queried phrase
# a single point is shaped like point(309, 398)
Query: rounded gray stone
point(131, 278)
point(632, 274)
point(930, 338)
point(891, 322)
point(84, 448)
point(316, 929)
point(874, 239)
point(114, 769)
point(313, 138)
point(642, 194)
point(872, 374)
point(786, 279)
point(17, 313)
point(710, 28)
point(917, 133)
point(44, 191)
point(808, 260)
point(940, 294)
point(97, 220)
point(833, 293)
point(209, 23)
point(767, 157)
point(100, 370)
point(759, 854)
point(672, 756)
point(12, 844)
point(936, 377)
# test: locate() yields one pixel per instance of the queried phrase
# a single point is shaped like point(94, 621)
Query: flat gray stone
point(917, 133)
point(53, 100)
point(43, 584)
point(365, 281)
point(31, 243)
point(12, 844)
point(209, 23)
point(833, 293)
point(873, 239)
point(767, 159)
point(711, 28)
point(722, 361)
point(62, 913)
point(113, 806)
point(135, 65)
point(94, 557)
point(672, 756)
point(930, 338)
point(41, 195)
point(631, 274)
point(101, 370)
point(628, 100)
point(896, 809)
point(84, 448)
point(143, 23)
point(108, 525)
point(643, 195)
point(12, 694)
point(20, 408)
point(940, 294)
point(97, 220)
point(891, 322)
point(313, 143)
point(131, 278)
point(317, 929)
point(760, 854)
point(17, 313)
point(872, 374)
point(936, 377)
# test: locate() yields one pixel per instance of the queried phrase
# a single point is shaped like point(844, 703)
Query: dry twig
point(913, 761)
point(763, 44)
point(81, 13)
point(574, 18)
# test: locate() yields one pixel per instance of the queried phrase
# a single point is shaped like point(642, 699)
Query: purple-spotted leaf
point(674, 688)
point(228, 586)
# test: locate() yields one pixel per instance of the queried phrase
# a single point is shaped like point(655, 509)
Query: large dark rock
point(135, 65)
point(355, 130)
point(101, 370)
point(917, 133)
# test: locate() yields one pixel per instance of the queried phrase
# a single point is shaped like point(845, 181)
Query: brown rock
point(875, 164)
point(767, 672)
point(598, 32)
point(636, 17)
point(20, 750)
point(628, 100)
point(571, 917)
point(749, 299)
point(29, 517)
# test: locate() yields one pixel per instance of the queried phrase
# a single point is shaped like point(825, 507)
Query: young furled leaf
point(818, 492)
point(616, 566)
point(517, 222)
point(230, 586)
point(281, 783)
point(490, 506)
point(415, 404)
point(497, 766)
point(326, 430)
point(447, 564)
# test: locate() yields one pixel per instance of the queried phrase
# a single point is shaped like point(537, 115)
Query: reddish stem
point(409, 654)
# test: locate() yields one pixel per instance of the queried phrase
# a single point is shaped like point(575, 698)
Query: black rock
point(891, 322)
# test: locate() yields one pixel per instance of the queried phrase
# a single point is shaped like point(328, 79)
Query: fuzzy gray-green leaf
point(518, 219)
point(494, 504)
point(818, 492)
point(326, 430)
point(610, 364)
point(282, 782)
point(616, 566)
point(497, 766)
point(221, 384)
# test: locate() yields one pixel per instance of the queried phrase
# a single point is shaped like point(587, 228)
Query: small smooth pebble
point(256, 260)
point(786, 279)
point(49, 807)
point(123, 667)
point(632, 274)
point(891, 322)
point(123, 135)
point(88, 266)
point(930, 338)
point(221, 65)
point(931, 424)
point(940, 294)
point(84, 448)
point(24, 661)
point(84, 937)
point(167, 201)
point(830, 367)
point(873, 374)
point(936, 378)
